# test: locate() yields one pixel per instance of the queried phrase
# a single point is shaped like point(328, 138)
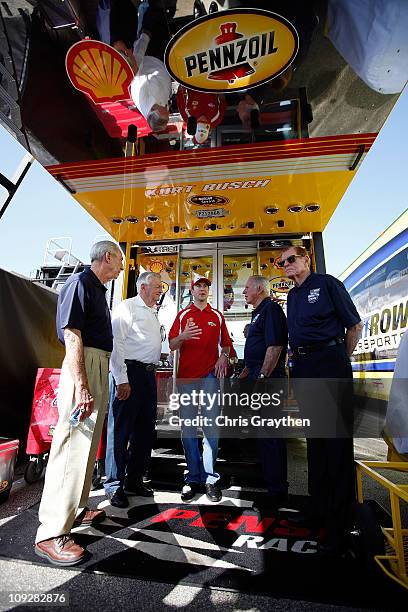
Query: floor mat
point(228, 545)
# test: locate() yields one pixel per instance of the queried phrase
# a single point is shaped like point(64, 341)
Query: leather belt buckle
point(150, 367)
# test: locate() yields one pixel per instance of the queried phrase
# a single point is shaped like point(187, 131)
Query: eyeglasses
point(291, 259)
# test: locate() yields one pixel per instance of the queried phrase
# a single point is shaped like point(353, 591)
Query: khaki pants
point(73, 451)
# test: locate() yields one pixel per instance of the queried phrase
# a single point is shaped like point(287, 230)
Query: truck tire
point(35, 469)
point(4, 495)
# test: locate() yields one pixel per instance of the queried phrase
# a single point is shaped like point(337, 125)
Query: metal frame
point(395, 564)
point(11, 186)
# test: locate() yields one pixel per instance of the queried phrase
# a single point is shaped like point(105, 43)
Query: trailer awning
point(284, 187)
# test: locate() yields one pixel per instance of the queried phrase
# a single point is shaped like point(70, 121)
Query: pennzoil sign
point(232, 50)
point(281, 284)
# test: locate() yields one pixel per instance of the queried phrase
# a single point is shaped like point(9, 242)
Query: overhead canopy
point(288, 187)
point(316, 118)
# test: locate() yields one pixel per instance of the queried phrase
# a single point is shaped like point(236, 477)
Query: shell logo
point(232, 50)
point(156, 266)
point(99, 71)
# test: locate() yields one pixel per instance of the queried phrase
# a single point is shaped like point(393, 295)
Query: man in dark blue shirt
point(264, 357)
point(324, 327)
point(84, 327)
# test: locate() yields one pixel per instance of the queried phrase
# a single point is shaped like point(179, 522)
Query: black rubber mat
point(229, 545)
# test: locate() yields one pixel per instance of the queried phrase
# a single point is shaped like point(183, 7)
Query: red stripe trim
point(240, 161)
point(223, 175)
point(229, 155)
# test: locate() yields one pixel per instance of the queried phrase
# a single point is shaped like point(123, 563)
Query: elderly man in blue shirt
point(324, 328)
point(265, 356)
point(84, 327)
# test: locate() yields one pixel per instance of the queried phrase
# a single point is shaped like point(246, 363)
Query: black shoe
point(141, 490)
point(332, 543)
point(189, 491)
point(213, 492)
point(118, 499)
point(271, 502)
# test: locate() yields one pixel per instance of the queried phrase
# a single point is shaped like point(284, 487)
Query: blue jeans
point(200, 462)
point(131, 430)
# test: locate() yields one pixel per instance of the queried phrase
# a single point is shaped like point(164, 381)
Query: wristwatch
point(262, 375)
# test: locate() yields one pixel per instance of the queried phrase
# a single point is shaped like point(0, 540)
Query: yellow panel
point(245, 201)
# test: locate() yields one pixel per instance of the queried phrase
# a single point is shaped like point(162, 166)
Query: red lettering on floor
point(251, 523)
point(173, 513)
point(211, 520)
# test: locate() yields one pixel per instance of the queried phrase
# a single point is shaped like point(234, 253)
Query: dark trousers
point(331, 474)
point(131, 430)
point(272, 454)
point(153, 17)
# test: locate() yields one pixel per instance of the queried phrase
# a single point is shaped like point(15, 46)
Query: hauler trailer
point(324, 76)
point(378, 283)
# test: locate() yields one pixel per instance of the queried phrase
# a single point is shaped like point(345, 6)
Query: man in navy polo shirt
point(84, 327)
point(198, 332)
point(324, 327)
point(265, 356)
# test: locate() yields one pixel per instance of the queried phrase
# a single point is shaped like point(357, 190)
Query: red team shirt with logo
point(197, 103)
point(198, 357)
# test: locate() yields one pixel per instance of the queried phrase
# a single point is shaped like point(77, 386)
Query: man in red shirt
point(198, 331)
point(202, 111)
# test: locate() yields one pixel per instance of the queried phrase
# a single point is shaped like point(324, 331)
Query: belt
point(300, 351)
point(150, 367)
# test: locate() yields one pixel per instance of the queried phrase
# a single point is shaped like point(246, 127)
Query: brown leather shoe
point(89, 517)
point(60, 551)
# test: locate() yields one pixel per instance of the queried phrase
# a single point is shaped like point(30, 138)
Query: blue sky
point(42, 209)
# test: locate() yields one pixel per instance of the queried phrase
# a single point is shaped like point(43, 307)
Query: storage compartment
point(8, 456)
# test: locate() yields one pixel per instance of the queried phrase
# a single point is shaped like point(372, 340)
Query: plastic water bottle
point(74, 418)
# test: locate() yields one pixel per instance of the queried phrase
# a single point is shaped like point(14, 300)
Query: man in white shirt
point(151, 85)
point(132, 415)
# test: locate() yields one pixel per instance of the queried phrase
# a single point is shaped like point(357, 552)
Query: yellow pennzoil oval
point(231, 51)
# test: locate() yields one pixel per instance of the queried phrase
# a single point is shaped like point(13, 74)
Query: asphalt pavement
point(92, 591)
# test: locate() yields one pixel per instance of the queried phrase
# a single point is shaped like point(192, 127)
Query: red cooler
point(8, 456)
point(44, 413)
point(44, 417)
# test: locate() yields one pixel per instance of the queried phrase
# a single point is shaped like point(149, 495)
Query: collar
point(261, 305)
point(306, 282)
point(207, 308)
point(94, 279)
point(141, 304)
